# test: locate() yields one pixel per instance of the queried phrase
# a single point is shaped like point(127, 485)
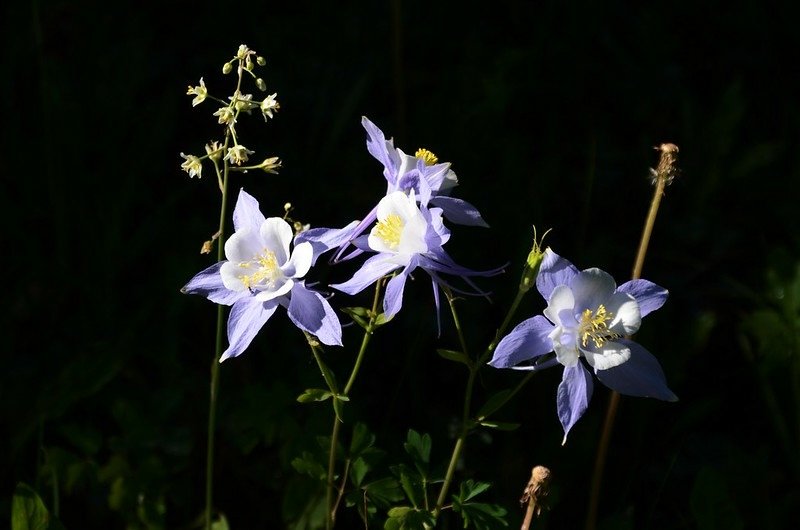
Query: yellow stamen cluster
point(594, 326)
point(267, 269)
point(390, 230)
point(426, 156)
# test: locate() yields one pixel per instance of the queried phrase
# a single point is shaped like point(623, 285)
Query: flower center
point(389, 230)
point(267, 271)
point(426, 156)
point(594, 327)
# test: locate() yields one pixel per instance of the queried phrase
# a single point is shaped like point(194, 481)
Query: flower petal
point(246, 214)
point(374, 268)
point(573, 396)
point(243, 245)
point(607, 356)
point(311, 312)
point(458, 211)
point(382, 150)
point(300, 261)
point(591, 288)
point(276, 234)
point(626, 316)
point(640, 376)
point(247, 317)
point(281, 287)
point(649, 295)
point(393, 299)
point(528, 340)
point(561, 301)
point(554, 271)
point(325, 239)
point(208, 283)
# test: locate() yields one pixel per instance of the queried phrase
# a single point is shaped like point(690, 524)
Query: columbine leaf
point(411, 483)
point(384, 492)
point(358, 469)
point(480, 516)
point(419, 448)
point(500, 425)
point(313, 394)
point(407, 518)
point(28, 512)
point(308, 464)
point(362, 439)
point(493, 404)
point(457, 356)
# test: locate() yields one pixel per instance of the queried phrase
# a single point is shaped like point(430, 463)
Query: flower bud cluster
point(230, 153)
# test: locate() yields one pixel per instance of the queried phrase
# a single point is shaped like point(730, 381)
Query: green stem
point(212, 405)
point(330, 519)
point(466, 425)
point(613, 403)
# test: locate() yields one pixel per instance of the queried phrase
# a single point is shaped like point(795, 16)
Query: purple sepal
point(311, 312)
point(458, 211)
point(374, 268)
point(528, 340)
point(246, 214)
point(648, 295)
point(640, 376)
point(247, 317)
point(554, 271)
point(208, 283)
point(574, 393)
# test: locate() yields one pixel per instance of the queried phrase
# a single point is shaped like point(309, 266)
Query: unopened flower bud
point(227, 68)
point(262, 86)
point(249, 64)
point(261, 61)
point(270, 165)
point(534, 260)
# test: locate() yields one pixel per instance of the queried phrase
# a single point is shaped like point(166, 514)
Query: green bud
point(261, 61)
point(248, 64)
point(531, 269)
point(262, 86)
point(227, 68)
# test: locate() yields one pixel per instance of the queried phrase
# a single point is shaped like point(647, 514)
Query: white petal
point(561, 299)
point(230, 276)
point(592, 287)
point(300, 261)
point(280, 288)
point(611, 354)
point(243, 245)
point(627, 315)
point(276, 234)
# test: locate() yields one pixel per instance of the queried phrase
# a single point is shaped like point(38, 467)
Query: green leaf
point(384, 492)
point(407, 518)
point(477, 514)
point(362, 439)
point(313, 394)
point(360, 315)
point(381, 320)
point(500, 425)
point(358, 469)
point(28, 512)
point(220, 524)
point(419, 448)
point(457, 356)
point(493, 404)
point(306, 463)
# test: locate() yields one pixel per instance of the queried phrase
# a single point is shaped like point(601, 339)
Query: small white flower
point(242, 102)
point(192, 165)
point(225, 116)
point(199, 92)
point(238, 154)
point(269, 105)
point(214, 151)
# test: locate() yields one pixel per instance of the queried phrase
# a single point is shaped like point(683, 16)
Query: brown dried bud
point(667, 168)
point(535, 492)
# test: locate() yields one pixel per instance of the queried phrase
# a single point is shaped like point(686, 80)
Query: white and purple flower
point(407, 236)
point(422, 174)
point(587, 316)
point(260, 274)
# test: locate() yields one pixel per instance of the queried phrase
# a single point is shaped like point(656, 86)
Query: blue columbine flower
point(422, 173)
point(407, 235)
point(260, 274)
point(589, 317)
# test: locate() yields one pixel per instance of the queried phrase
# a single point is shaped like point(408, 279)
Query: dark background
point(547, 111)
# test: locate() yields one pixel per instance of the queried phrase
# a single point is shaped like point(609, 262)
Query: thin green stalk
point(212, 405)
point(330, 519)
point(664, 174)
point(466, 425)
